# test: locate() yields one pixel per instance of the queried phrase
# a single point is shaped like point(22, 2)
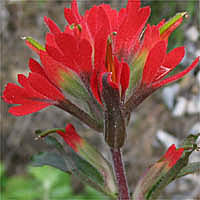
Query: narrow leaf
point(33, 44)
point(87, 169)
point(53, 142)
point(172, 21)
point(79, 166)
point(53, 159)
point(191, 168)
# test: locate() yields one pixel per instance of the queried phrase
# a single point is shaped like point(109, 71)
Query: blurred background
point(166, 117)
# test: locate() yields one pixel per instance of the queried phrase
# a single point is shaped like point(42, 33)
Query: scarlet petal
point(177, 76)
point(95, 85)
point(71, 137)
point(132, 6)
point(13, 94)
point(112, 15)
point(52, 68)
point(117, 71)
point(50, 40)
point(176, 156)
point(84, 59)
point(72, 15)
point(172, 59)
point(36, 67)
point(170, 151)
point(97, 18)
point(54, 53)
point(130, 29)
point(173, 155)
point(125, 77)
point(100, 46)
point(151, 37)
point(99, 28)
point(67, 44)
point(154, 61)
point(77, 54)
point(23, 80)
point(71, 131)
point(26, 109)
point(52, 25)
point(92, 21)
point(43, 86)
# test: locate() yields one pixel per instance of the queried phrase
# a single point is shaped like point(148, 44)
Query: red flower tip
point(71, 137)
point(35, 93)
point(72, 15)
point(176, 76)
point(52, 25)
point(173, 155)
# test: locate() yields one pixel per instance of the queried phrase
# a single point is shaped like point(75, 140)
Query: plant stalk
point(80, 114)
point(120, 174)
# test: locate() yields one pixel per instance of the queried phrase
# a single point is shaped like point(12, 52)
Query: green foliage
point(191, 168)
point(34, 43)
point(50, 158)
point(43, 183)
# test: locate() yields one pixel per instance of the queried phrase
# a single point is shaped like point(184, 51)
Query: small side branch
point(80, 114)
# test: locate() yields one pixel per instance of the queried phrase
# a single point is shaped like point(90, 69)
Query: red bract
point(101, 42)
point(113, 40)
point(71, 137)
point(172, 155)
point(158, 62)
point(35, 93)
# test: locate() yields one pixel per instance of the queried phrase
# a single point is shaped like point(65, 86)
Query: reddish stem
point(120, 174)
point(80, 114)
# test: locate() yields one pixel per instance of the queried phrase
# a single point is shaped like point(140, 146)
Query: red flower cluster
point(102, 43)
point(35, 93)
point(173, 155)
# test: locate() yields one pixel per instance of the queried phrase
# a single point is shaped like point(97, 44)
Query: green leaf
point(189, 144)
point(172, 21)
point(51, 141)
point(34, 43)
point(72, 84)
point(79, 166)
point(53, 159)
point(86, 169)
point(191, 168)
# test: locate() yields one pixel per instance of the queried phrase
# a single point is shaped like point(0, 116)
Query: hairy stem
point(80, 114)
point(120, 174)
point(138, 96)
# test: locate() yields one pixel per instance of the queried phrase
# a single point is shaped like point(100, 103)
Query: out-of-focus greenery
point(42, 183)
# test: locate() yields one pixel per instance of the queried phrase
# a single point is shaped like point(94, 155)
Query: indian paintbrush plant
point(99, 69)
